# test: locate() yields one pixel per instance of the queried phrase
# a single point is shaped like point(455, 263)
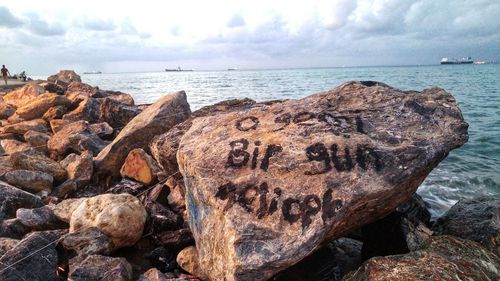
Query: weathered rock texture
point(12, 198)
point(99, 268)
point(32, 181)
point(38, 106)
point(25, 161)
point(140, 166)
point(120, 216)
point(156, 119)
point(475, 219)
point(442, 258)
point(23, 95)
point(66, 76)
point(266, 186)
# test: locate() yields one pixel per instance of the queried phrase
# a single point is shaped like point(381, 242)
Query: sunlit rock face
point(268, 185)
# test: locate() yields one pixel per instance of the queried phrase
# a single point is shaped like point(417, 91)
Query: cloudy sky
point(45, 36)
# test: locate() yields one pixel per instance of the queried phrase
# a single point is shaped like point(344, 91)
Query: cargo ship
point(467, 60)
point(178, 69)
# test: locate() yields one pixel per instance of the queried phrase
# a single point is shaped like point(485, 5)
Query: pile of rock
point(290, 190)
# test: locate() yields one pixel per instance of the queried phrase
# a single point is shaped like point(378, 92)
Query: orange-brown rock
point(38, 125)
point(6, 110)
point(37, 107)
point(140, 166)
point(442, 258)
point(25, 161)
point(265, 187)
point(66, 76)
point(187, 259)
point(120, 216)
point(23, 95)
point(156, 119)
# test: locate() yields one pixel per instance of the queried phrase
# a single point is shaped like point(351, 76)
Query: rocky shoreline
point(95, 187)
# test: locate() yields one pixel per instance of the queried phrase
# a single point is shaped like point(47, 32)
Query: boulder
point(102, 130)
point(99, 268)
point(53, 87)
point(31, 181)
point(5, 165)
point(117, 95)
point(65, 189)
point(57, 124)
point(12, 228)
point(74, 137)
point(55, 112)
point(90, 241)
point(64, 209)
point(267, 186)
point(12, 198)
point(164, 147)
point(12, 146)
point(187, 259)
point(117, 114)
point(82, 89)
point(66, 76)
point(153, 274)
point(23, 161)
point(120, 216)
point(140, 166)
point(442, 258)
point(37, 125)
point(22, 263)
point(37, 140)
point(156, 119)
point(42, 218)
point(23, 95)
point(7, 244)
point(89, 110)
point(79, 167)
point(6, 110)
point(474, 219)
point(39, 105)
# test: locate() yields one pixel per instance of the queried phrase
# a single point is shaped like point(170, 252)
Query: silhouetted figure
point(5, 73)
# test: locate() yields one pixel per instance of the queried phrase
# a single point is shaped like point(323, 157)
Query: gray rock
point(102, 130)
point(156, 119)
point(117, 114)
point(99, 268)
point(6, 110)
point(32, 181)
point(37, 219)
point(12, 198)
point(476, 219)
point(37, 140)
point(90, 241)
point(88, 110)
point(23, 161)
point(7, 244)
point(13, 228)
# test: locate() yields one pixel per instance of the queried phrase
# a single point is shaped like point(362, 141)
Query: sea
point(472, 170)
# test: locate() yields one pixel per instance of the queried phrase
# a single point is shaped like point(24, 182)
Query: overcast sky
point(45, 36)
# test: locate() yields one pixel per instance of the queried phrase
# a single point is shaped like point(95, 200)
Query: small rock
point(11, 146)
point(187, 259)
point(120, 216)
point(79, 167)
point(153, 274)
point(66, 76)
point(57, 124)
point(38, 125)
point(32, 181)
point(102, 130)
point(22, 263)
point(37, 107)
point(156, 119)
point(89, 110)
point(7, 244)
point(6, 110)
point(442, 258)
point(55, 112)
point(13, 228)
point(162, 258)
point(74, 137)
point(175, 239)
point(53, 88)
point(37, 140)
point(23, 95)
point(118, 96)
point(5, 165)
point(90, 241)
point(12, 198)
point(42, 218)
point(140, 166)
point(64, 209)
point(65, 189)
point(24, 161)
point(127, 186)
point(76, 87)
point(117, 114)
point(474, 219)
point(99, 268)
point(161, 218)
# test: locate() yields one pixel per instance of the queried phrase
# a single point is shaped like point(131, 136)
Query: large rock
point(266, 186)
point(475, 219)
point(38, 106)
point(37, 140)
point(79, 167)
point(99, 268)
point(24, 161)
point(64, 209)
point(102, 130)
point(187, 259)
point(12, 198)
point(80, 89)
point(23, 95)
point(156, 119)
point(39, 219)
point(89, 110)
point(117, 114)
point(12, 146)
point(89, 241)
point(5, 165)
point(6, 110)
point(56, 112)
point(66, 76)
point(140, 166)
point(23, 263)
point(442, 258)
point(32, 181)
point(74, 137)
point(37, 125)
point(120, 216)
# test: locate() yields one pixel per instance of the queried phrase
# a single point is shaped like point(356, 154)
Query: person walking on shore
point(5, 73)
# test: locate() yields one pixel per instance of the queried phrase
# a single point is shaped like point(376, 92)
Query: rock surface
point(120, 216)
point(38, 106)
point(90, 241)
point(266, 186)
point(79, 167)
point(64, 209)
point(99, 268)
point(32, 181)
point(187, 259)
point(25, 161)
point(42, 218)
point(66, 76)
point(156, 119)
point(38, 125)
point(6, 110)
point(12, 198)
point(23, 95)
point(36, 266)
point(443, 258)
point(74, 137)
point(7, 244)
point(475, 219)
point(140, 166)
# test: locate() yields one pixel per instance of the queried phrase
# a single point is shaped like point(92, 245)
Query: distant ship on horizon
point(92, 72)
point(467, 60)
point(178, 69)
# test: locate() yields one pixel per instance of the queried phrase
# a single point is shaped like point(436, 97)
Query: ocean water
point(469, 171)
